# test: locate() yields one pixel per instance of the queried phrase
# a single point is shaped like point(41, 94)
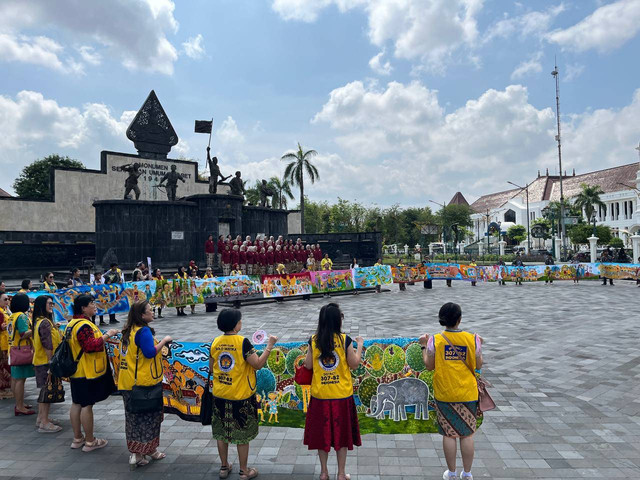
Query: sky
point(405, 101)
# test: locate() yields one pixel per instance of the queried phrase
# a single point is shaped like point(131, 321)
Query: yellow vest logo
point(329, 364)
point(226, 362)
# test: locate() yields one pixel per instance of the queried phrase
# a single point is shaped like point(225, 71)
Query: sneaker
point(447, 475)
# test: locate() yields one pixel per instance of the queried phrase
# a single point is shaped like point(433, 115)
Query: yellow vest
point(232, 377)
point(452, 381)
point(331, 379)
point(91, 364)
point(51, 288)
point(14, 340)
point(149, 369)
point(4, 336)
point(39, 354)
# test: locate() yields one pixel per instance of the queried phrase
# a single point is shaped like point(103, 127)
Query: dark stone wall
point(264, 220)
point(342, 247)
point(31, 260)
point(136, 230)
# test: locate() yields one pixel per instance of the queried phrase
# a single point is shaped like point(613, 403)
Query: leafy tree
point(300, 163)
point(34, 180)
point(547, 225)
point(580, 233)
point(616, 242)
point(517, 233)
point(252, 194)
point(588, 199)
point(283, 191)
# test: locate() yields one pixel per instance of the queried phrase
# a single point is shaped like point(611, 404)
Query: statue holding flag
point(206, 126)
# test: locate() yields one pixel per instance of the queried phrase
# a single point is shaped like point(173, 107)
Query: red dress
point(226, 256)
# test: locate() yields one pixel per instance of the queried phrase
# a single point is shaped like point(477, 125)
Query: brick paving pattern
point(563, 360)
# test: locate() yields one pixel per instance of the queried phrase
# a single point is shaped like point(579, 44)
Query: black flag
point(203, 126)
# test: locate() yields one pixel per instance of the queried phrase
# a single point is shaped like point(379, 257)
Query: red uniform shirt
point(262, 258)
point(220, 246)
point(251, 258)
point(270, 257)
point(209, 247)
point(317, 255)
point(243, 257)
point(226, 256)
point(235, 257)
point(277, 256)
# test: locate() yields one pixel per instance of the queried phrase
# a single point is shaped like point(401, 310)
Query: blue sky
point(404, 100)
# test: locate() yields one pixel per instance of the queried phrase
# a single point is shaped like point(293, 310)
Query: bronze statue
point(172, 178)
point(214, 172)
point(131, 183)
point(235, 185)
point(265, 191)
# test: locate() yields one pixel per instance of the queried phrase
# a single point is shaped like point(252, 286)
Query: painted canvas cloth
point(286, 285)
point(331, 281)
point(368, 277)
point(392, 389)
point(410, 273)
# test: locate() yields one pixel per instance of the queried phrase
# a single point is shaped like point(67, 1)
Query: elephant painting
point(399, 394)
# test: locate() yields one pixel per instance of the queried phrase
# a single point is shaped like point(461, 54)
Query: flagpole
point(210, 132)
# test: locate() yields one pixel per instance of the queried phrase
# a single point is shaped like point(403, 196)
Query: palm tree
point(300, 163)
point(588, 199)
point(252, 194)
point(283, 189)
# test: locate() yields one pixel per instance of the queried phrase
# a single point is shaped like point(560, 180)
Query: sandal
point(158, 455)
point(324, 476)
point(135, 463)
point(49, 428)
point(225, 470)
point(346, 477)
point(95, 445)
point(251, 473)
point(78, 443)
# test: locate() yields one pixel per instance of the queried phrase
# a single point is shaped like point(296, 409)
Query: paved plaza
point(563, 359)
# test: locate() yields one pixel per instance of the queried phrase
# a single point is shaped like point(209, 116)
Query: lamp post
point(593, 218)
point(556, 75)
point(488, 217)
point(526, 188)
point(444, 234)
point(548, 212)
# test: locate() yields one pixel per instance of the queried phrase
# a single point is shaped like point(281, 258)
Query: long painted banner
point(388, 366)
point(117, 298)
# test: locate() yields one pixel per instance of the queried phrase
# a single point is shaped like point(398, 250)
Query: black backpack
point(62, 364)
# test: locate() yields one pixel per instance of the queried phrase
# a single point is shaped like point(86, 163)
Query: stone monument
point(151, 131)
point(172, 179)
point(236, 186)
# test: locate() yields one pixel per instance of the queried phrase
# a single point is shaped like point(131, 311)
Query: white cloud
point(427, 31)
point(535, 23)
point(89, 55)
point(134, 32)
point(532, 65)
point(606, 29)
point(34, 126)
point(42, 51)
point(380, 68)
point(193, 48)
point(573, 71)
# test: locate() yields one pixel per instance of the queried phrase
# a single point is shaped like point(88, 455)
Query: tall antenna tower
point(556, 75)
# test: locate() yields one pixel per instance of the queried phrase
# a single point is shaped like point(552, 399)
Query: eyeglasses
point(49, 303)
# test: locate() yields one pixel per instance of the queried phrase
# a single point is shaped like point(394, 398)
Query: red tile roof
point(3, 193)
point(458, 199)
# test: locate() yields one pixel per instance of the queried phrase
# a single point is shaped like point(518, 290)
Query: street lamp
point(444, 235)
point(526, 187)
point(556, 76)
point(549, 212)
point(593, 217)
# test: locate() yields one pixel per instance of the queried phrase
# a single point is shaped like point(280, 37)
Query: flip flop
point(225, 470)
point(95, 445)
point(158, 455)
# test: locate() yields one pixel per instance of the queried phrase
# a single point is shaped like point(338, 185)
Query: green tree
point(616, 242)
point(34, 180)
point(282, 188)
point(317, 218)
point(299, 164)
point(517, 233)
point(252, 194)
point(588, 199)
point(580, 233)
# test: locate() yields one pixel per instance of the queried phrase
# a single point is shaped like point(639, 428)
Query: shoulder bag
point(485, 402)
point(52, 392)
point(144, 399)
point(20, 355)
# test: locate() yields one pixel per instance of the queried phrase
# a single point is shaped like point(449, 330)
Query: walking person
point(93, 381)
point(332, 420)
point(46, 338)
point(20, 333)
point(141, 364)
point(455, 387)
point(233, 363)
point(5, 369)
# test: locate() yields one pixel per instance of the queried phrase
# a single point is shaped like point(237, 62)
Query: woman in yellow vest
point(49, 285)
point(233, 363)
point(93, 380)
point(141, 364)
point(332, 420)
point(5, 369)
point(46, 338)
point(20, 333)
point(455, 388)
point(474, 265)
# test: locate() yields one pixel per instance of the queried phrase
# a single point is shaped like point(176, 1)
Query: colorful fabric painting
point(288, 285)
point(328, 281)
point(410, 273)
point(369, 277)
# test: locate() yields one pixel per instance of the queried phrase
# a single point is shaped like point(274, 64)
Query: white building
point(509, 207)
